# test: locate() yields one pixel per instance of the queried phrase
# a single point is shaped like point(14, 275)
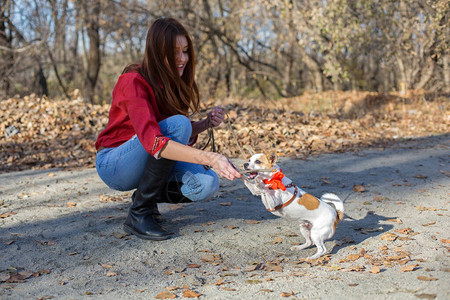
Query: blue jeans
point(121, 167)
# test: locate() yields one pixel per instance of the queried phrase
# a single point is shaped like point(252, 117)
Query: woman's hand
point(220, 163)
point(223, 167)
point(216, 116)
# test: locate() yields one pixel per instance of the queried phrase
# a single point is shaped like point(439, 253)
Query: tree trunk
point(446, 72)
point(91, 19)
point(41, 81)
point(7, 57)
point(426, 73)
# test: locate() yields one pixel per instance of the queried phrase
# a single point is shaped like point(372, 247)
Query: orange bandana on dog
point(275, 182)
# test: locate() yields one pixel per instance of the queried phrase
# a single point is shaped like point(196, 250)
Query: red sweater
point(133, 111)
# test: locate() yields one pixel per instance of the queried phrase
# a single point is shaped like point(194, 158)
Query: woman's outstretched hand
point(216, 116)
point(223, 166)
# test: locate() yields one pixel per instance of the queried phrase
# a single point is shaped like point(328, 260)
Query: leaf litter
point(53, 133)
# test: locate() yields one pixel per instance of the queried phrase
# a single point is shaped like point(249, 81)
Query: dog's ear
point(273, 158)
point(250, 150)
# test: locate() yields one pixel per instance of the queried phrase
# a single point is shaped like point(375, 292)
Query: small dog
point(318, 220)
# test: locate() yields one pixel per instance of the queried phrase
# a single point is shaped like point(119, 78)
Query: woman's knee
point(208, 187)
point(178, 128)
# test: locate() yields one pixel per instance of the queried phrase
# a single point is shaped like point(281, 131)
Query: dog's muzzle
point(252, 175)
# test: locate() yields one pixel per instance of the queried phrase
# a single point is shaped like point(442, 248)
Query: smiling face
point(260, 162)
point(181, 53)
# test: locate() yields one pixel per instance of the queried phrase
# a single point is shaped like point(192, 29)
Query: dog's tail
point(336, 201)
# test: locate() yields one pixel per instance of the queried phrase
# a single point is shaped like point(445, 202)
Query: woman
point(146, 143)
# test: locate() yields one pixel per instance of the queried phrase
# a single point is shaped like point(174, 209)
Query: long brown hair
point(174, 94)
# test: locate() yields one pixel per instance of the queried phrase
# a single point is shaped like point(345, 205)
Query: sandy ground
point(61, 235)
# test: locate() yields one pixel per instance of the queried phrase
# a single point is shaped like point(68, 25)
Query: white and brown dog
point(280, 196)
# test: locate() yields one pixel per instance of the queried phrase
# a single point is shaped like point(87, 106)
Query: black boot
point(143, 214)
point(173, 193)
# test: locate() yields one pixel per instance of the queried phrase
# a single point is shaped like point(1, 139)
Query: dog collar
point(288, 202)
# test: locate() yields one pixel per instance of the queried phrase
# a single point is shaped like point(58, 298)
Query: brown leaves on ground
point(187, 293)
point(38, 133)
point(165, 295)
point(16, 276)
point(359, 188)
point(6, 215)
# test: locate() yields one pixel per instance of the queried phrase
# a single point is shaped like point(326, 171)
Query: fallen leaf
point(445, 172)
point(175, 206)
point(396, 220)
point(346, 240)
point(354, 269)
point(325, 180)
point(111, 274)
point(277, 240)
point(225, 203)
point(41, 272)
point(380, 198)
point(266, 290)
point(193, 266)
point(406, 231)
point(255, 267)
point(8, 214)
point(209, 223)
point(423, 208)
point(375, 270)
point(389, 236)
point(426, 278)
point(354, 257)
point(409, 268)
point(429, 224)
point(275, 268)
point(214, 259)
point(335, 268)
point(421, 176)
point(426, 296)
point(165, 295)
point(120, 235)
point(228, 289)
point(284, 294)
point(253, 281)
point(445, 241)
point(359, 188)
point(106, 266)
point(191, 294)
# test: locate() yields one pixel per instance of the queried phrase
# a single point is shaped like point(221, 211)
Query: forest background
point(301, 76)
point(270, 48)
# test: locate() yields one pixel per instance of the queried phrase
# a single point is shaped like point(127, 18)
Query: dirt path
point(61, 235)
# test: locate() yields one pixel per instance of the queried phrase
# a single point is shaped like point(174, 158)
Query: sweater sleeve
point(137, 100)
